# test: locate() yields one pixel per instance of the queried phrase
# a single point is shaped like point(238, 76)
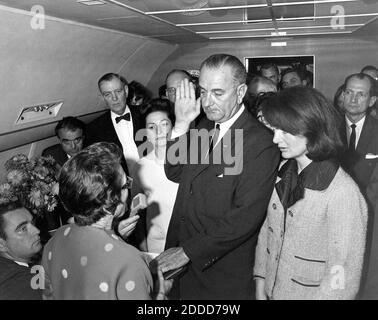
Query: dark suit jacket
point(56, 151)
point(356, 164)
point(102, 129)
point(217, 217)
point(15, 282)
point(362, 169)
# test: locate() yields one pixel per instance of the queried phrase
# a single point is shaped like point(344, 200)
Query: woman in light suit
point(312, 242)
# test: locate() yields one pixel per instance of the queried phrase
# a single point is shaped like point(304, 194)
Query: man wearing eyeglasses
point(173, 80)
point(71, 133)
point(360, 134)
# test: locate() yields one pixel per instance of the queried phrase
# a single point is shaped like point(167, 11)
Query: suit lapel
point(343, 133)
point(110, 130)
point(365, 137)
point(136, 122)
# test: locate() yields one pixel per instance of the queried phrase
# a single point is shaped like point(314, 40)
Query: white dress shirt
point(125, 133)
point(358, 129)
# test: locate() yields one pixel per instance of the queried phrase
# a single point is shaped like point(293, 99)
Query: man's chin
point(212, 116)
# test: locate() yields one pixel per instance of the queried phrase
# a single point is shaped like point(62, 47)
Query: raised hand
point(187, 108)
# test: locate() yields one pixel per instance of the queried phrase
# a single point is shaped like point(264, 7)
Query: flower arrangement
point(33, 182)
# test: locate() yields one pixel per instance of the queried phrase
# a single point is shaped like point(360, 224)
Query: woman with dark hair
point(160, 192)
point(86, 260)
point(138, 96)
point(312, 242)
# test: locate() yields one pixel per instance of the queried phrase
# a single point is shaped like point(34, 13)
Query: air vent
point(39, 112)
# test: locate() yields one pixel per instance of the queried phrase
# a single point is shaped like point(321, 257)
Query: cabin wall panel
point(335, 58)
point(63, 62)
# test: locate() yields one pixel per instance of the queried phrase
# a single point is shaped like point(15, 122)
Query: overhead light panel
point(278, 34)
point(269, 35)
point(91, 2)
point(278, 44)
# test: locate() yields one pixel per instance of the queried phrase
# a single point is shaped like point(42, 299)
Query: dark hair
point(260, 79)
point(250, 100)
point(361, 76)
point(70, 123)
point(298, 71)
point(218, 60)
point(367, 68)
point(4, 209)
point(305, 111)
point(139, 91)
point(161, 105)
point(186, 73)
point(162, 90)
point(269, 65)
point(309, 77)
point(90, 182)
point(109, 77)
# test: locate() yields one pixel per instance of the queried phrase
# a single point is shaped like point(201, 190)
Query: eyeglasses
point(69, 141)
point(128, 184)
point(170, 91)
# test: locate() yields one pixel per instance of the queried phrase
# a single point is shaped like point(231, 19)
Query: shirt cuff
point(176, 132)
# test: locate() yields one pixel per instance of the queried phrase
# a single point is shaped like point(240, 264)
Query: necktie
point(352, 139)
point(214, 138)
point(124, 117)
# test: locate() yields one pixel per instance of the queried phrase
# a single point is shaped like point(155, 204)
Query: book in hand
point(153, 265)
point(139, 202)
point(174, 273)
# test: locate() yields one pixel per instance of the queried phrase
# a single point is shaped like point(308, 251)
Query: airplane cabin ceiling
point(180, 21)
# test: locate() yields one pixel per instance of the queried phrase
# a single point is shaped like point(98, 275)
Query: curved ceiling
point(180, 21)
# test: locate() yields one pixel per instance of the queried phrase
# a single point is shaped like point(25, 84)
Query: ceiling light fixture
point(248, 6)
point(280, 28)
point(278, 44)
point(269, 35)
point(278, 20)
point(91, 2)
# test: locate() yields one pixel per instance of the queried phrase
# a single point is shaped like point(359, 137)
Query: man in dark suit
point(71, 133)
point(360, 134)
point(360, 130)
point(221, 204)
point(19, 244)
point(120, 124)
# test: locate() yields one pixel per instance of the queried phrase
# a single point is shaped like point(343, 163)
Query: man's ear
point(3, 245)
point(373, 99)
point(241, 90)
point(126, 90)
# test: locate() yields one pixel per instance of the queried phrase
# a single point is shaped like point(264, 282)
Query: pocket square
point(220, 176)
point(370, 156)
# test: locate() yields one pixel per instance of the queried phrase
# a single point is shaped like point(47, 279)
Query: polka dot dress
point(91, 263)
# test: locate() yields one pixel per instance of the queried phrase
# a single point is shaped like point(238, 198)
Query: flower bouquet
point(33, 182)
